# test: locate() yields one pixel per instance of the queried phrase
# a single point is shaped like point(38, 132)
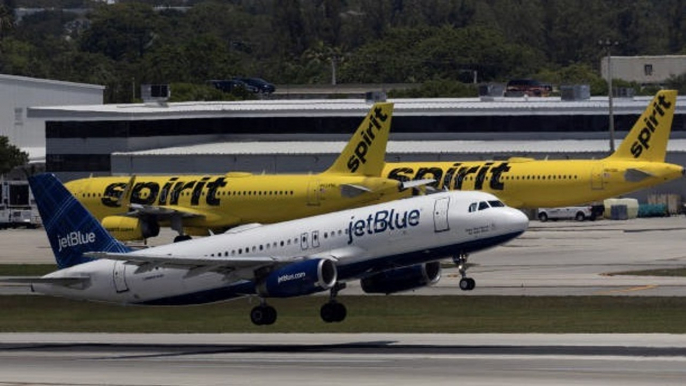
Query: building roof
point(24, 79)
point(346, 107)
point(395, 147)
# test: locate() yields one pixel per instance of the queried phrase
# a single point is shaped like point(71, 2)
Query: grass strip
point(26, 269)
point(409, 314)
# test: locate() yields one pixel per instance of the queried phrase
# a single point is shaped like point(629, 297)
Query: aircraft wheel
point(180, 238)
point(333, 312)
point(263, 315)
point(467, 284)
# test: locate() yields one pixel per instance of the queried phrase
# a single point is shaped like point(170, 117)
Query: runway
point(341, 359)
point(564, 258)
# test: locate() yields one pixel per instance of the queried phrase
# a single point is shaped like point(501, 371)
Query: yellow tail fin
point(647, 140)
point(366, 151)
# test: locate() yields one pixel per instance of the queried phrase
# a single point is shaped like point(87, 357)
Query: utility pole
point(608, 44)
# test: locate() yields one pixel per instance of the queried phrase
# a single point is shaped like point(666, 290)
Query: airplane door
point(597, 182)
point(441, 214)
point(119, 276)
point(313, 193)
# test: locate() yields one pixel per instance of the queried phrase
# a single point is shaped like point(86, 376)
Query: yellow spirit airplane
point(639, 162)
point(134, 208)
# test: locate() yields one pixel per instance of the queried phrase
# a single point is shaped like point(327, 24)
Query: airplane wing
point(353, 190)
point(159, 211)
point(244, 266)
point(416, 183)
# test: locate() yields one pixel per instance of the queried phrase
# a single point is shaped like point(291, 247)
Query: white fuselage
point(361, 242)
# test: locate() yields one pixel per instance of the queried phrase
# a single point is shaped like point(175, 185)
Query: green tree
point(122, 31)
point(6, 20)
point(438, 88)
point(10, 156)
point(677, 83)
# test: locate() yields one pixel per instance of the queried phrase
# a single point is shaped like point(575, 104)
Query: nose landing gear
point(466, 283)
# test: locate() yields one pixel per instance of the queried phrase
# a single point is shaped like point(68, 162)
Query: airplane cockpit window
point(496, 204)
point(472, 207)
point(483, 205)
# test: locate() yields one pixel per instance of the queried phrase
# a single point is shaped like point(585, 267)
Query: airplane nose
point(515, 220)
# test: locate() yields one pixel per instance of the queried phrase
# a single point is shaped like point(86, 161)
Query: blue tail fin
point(71, 229)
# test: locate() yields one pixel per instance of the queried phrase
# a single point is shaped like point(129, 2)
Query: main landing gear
point(466, 283)
point(334, 311)
point(263, 315)
point(177, 225)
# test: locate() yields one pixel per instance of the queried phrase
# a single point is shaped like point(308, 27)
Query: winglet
point(364, 154)
point(125, 197)
point(647, 140)
point(72, 230)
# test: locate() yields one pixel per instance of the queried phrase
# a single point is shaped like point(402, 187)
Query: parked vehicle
point(233, 85)
point(17, 205)
point(578, 213)
point(260, 84)
point(528, 87)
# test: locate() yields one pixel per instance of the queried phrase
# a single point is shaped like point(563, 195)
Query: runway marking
point(632, 289)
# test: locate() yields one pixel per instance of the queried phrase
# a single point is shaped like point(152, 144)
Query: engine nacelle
point(130, 228)
point(301, 278)
point(402, 279)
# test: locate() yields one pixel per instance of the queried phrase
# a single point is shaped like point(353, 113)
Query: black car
point(260, 84)
point(233, 85)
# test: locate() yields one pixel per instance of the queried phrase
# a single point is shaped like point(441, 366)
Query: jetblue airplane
point(390, 247)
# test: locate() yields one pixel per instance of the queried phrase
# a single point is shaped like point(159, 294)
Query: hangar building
point(17, 93)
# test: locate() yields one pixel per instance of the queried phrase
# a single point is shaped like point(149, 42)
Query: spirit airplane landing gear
point(177, 225)
point(334, 311)
point(263, 314)
point(466, 283)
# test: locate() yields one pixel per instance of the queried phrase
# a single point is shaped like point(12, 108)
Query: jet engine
point(402, 279)
point(301, 278)
point(125, 228)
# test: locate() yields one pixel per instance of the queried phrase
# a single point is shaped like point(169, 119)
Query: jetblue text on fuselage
point(368, 138)
point(168, 194)
point(454, 176)
point(381, 221)
point(74, 238)
point(651, 124)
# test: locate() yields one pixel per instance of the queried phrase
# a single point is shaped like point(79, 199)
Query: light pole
point(608, 44)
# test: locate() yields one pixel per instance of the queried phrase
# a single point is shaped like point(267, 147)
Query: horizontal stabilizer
point(28, 280)
point(351, 190)
point(636, 175)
